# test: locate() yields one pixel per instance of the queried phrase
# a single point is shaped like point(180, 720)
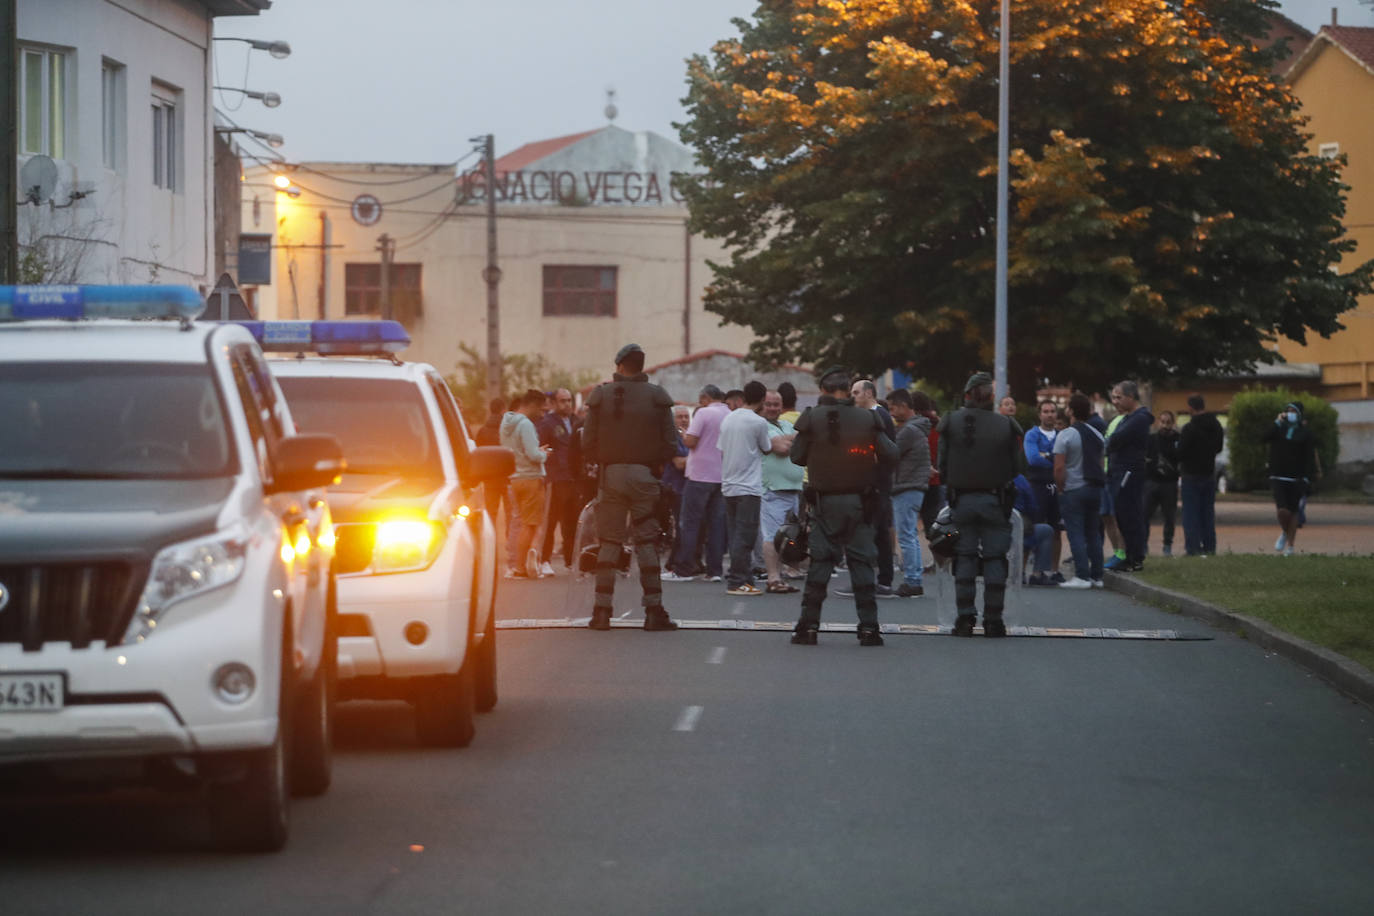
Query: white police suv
point(416, 560)
point(166, 591)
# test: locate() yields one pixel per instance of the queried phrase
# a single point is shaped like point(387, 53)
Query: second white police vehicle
point(416, 556)
point(166, 558)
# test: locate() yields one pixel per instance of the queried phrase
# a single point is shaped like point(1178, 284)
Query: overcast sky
point(413, 80)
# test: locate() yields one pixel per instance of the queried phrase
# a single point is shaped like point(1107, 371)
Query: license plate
point(37, 691)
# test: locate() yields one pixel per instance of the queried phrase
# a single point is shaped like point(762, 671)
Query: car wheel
point(252, 813)
point(445, 707)
point(312, 753)
point(485, 659)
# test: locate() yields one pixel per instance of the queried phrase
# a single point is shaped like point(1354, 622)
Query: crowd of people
point(728, 480)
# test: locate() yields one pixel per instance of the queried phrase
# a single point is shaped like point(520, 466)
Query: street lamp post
point(270, 99)
point(999, 368)
point(278, 49)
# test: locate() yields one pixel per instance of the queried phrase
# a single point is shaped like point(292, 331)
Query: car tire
point(445, 707)
point(312, 750)
point(485, 660)
point(252, 814)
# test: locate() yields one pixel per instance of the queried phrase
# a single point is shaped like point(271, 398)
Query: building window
point(166, 132)
point(579, 290)
point(1329, 150)
point(112, 114)
point(43, 102)
point(363, 290)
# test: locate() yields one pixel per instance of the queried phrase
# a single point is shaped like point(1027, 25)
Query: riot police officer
point(980, 455)
point(629, 432)
point(839, 445)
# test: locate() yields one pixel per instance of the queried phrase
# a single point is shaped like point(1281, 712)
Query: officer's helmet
point(943, 535)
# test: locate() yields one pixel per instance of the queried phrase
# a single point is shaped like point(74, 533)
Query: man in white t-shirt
point(745, 437)
point(702, 519)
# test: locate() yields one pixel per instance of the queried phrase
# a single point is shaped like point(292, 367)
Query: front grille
point(66, 602)
point(353, 545)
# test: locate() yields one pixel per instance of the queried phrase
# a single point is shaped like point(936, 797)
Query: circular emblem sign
point(366, 209)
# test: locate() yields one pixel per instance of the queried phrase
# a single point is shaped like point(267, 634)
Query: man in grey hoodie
point(526, 484)
point(909, 486)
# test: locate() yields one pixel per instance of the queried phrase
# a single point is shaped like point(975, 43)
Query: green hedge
point(1252, 412)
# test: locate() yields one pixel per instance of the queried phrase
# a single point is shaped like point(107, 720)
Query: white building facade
point(593, 248)
point(118, 96)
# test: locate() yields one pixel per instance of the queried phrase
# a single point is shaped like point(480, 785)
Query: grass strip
point(1327, 600)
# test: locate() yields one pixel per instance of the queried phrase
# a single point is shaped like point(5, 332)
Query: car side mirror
point(307, 461)
point(489, 462)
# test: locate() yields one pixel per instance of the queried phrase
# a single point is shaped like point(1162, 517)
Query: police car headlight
point(185, 570)
point(406, 545)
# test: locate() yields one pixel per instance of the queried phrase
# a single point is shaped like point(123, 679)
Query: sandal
point(781, 588)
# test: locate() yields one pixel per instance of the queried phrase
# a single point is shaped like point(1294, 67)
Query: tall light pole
point(999, 367)
point(492, 274)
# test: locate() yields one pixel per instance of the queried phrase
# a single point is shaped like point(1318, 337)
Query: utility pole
point(999, 360)
point(9, 145)
point(385, 246)
point(492, 275)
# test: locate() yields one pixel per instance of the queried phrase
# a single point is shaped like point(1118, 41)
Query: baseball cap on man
point(1294, 406)
point(977, 380)
point(626, 351)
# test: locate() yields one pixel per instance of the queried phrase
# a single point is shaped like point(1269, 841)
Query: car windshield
point(112, 420)
point(382, 424)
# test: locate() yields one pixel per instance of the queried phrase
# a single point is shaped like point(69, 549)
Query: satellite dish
point(38, 179)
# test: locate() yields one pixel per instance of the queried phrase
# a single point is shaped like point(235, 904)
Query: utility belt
point(1005, 494)
point(868, 499)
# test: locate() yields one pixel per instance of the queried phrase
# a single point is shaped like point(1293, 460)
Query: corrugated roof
point(517, 159)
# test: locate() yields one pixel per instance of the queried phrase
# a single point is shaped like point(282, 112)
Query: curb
point(1349, 678)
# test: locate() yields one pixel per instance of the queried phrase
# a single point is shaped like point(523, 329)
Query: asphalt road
point(726, 771)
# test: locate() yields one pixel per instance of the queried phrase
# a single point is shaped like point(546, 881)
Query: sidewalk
point(1252, 527)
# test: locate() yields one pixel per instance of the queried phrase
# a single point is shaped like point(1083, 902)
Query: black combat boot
point(656, 618)
point(963, 625)
point(994, 627)
point(804, 635)
point(601, 619)
point(869, 636)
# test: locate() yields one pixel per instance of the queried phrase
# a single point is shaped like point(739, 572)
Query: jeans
point(1040, 544)
point(703, 518)
point(1130, 513)
point(1199, 514)
point(1083, 523)
point(906, 512)
point(742, 523)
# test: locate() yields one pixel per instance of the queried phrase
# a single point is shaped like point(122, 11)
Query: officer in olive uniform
point(629, 432)
point(839, 444)
point(980, 455)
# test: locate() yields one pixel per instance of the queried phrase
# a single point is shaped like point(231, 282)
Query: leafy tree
point(1167, 218)
point(519, 373)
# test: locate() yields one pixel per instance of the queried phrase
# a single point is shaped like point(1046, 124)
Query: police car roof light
point(31, 303)
point(330, 338)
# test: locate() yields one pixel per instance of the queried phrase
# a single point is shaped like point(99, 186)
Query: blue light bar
point(29, 303)
point(330, 338)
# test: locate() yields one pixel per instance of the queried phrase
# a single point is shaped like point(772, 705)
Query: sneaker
point(1131, 566)
point(545, 570)
point(513, 573)
point(1288, 552)
point(910, 591)
point(963, 625)
point(1057, 578)
point(1282, 542)
point(712, 579)
point(656, 618)
point(843, 592)
point(1168, 550)
point(803, 636)
point(1038, 580)
point(1114, 562)
point(532, 564)
point(995, 628)
point(601, 620)
point(1098, 583)
point(759, 572)
point(669, 576)
point(1076, 582)
point(869, 637)
point(747, 588)
point(884, 591)
point(789, 572)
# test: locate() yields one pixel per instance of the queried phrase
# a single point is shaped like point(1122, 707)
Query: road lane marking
point(717, 656)
point(888, 629)
point(688, 720)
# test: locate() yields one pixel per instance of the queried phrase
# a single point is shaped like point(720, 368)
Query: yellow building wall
point(1337, 95)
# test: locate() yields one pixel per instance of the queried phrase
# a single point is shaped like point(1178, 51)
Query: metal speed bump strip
point(892, 629)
